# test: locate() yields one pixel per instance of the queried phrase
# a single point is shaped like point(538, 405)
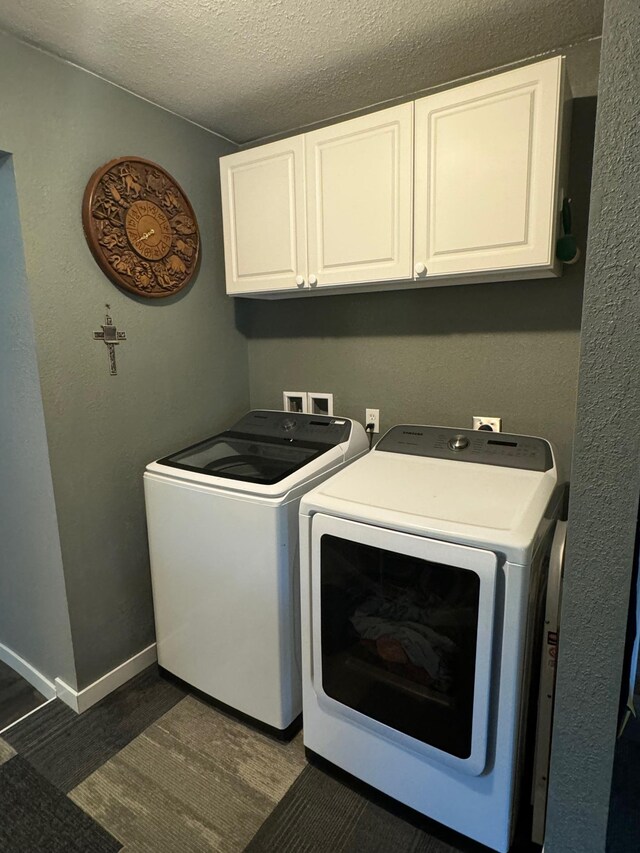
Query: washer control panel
point(468, 445)
point(294, 426)
point(458, 442)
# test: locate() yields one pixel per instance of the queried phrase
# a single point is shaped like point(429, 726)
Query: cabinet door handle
point(300, 280)
point(313, 280)
point(420, 269)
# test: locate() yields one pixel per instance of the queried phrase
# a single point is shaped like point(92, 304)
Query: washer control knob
point(288, 424)
point(420, 269)
point(459, 442)
point(300, 280)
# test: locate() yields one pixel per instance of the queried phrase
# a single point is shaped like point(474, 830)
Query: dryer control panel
point(469, 445)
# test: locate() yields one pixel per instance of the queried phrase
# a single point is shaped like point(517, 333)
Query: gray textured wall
point(34, 620)
point(438, 355)
point(606, 474)
point(182, 371)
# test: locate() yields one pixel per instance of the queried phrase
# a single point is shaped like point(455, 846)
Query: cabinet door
point(264, 217)
point(486, 167)
point(359, 198)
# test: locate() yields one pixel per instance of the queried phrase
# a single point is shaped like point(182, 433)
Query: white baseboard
point(80, 700)
point(29, 673)
point(28, 714)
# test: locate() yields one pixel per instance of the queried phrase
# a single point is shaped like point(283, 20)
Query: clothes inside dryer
point(399, 640)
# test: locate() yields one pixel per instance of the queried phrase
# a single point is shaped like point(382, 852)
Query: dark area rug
point(66, 747)
point(17, 696)
point(43, 819)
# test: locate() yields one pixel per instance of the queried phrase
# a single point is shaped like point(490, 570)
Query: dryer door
point(402, 637)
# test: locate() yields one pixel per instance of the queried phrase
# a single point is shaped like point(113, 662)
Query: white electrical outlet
point(487, 423)
point(373, 417)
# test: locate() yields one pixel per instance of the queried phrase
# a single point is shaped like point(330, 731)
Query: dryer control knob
point(458, 442)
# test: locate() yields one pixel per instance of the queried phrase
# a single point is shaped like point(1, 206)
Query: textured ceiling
point(251, 68)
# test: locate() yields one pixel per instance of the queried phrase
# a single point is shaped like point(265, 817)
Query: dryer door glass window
point(398, 639)
point(240, 457)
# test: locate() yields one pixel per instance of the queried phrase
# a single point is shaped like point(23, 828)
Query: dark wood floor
point(17, 696)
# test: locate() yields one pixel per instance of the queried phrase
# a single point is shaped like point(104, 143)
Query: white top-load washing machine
point(422, 576)
point(222, 518)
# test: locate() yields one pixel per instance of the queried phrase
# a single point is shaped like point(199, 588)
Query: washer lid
point(264, 449)
point(251, 459)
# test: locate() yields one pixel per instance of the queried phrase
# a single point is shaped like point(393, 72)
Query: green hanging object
point(567, 249)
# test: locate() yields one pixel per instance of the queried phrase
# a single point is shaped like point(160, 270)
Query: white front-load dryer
point(422, 574)
point(222, 519)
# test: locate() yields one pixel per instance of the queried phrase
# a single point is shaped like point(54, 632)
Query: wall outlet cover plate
point(295, 401)
point(372, 416)
point(320, 403)
point(488, 423)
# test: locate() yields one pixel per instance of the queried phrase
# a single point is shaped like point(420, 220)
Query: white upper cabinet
point(486, 169)
point(264, 218)
point(462, 186)
point(359, 199)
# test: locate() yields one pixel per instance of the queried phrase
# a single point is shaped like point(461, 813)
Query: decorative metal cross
point(111, 336)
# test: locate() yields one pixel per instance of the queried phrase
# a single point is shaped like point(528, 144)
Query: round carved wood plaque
point(140, 227)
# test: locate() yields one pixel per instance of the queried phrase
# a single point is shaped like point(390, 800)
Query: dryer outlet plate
point(488, 423)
